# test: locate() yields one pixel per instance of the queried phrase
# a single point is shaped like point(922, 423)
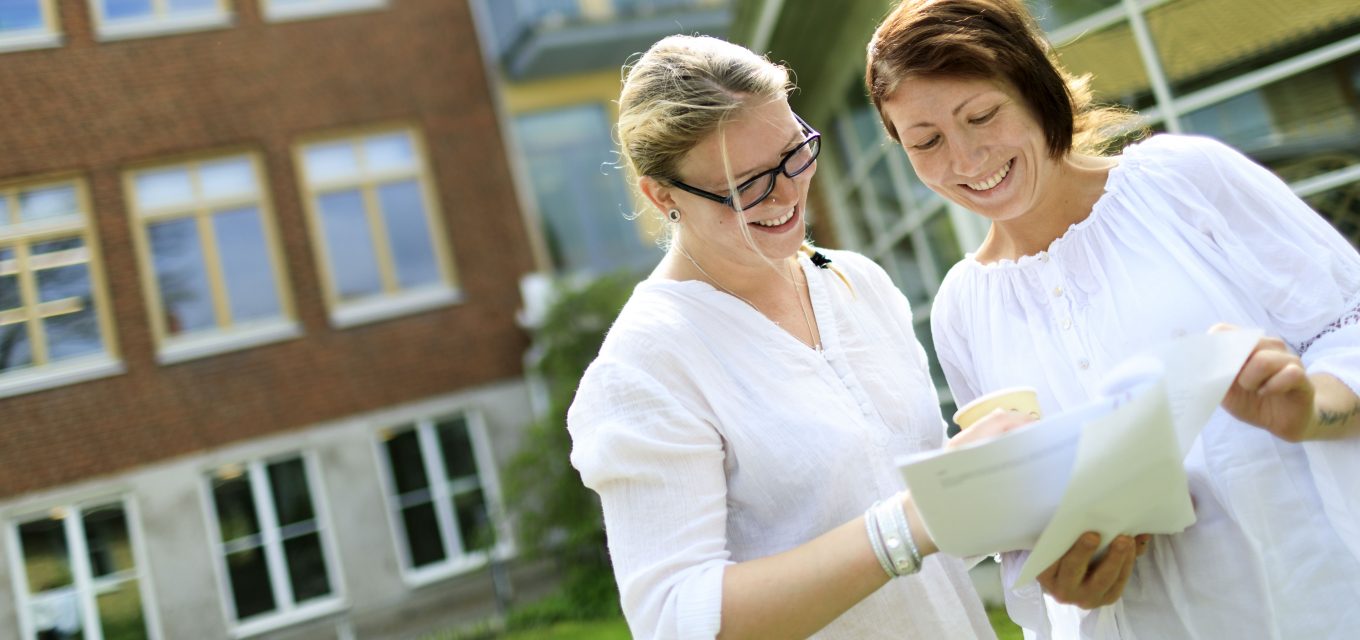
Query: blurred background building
point(1278, 80)
point(259, 362)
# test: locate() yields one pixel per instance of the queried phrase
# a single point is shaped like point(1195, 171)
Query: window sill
point(25, 40)
point(379, 308)
point(149, 27)
point(210, 343)
point(68, 372)
point(273, 622)
point(286, 13)
point(467, 564)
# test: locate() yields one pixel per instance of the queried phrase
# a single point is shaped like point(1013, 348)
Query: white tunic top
point(713, 437)
point(1188, 233)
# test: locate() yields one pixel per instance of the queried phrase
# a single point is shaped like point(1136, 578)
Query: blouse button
point(1067, 323)
point(1084, 364)
point(1057, 292)
point(1043, 256)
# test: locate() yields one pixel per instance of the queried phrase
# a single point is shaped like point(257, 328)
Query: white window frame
point(487, 473)
point(282, 12)
point(228, 335)
point(287, 612)
point(79, 369)
point(78, 552)
point(393, 301)
point(47, 36)
point(158, 23)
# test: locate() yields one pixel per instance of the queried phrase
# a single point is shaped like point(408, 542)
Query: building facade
point(1279, 81)
point(259, 357)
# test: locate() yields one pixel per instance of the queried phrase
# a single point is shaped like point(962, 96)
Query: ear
point(660, 195)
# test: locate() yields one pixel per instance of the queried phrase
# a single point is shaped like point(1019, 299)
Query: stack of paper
point(1114, 466)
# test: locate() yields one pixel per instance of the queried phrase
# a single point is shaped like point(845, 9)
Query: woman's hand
point(989, 426)
point(1273, 391)
point(1075, 579)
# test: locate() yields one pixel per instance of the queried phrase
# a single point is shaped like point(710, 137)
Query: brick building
point(259, 265)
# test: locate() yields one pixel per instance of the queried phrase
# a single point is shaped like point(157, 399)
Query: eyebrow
point(797, 135)
point(955, 112)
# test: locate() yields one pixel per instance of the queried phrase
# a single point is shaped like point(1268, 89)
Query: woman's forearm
point(795, 593)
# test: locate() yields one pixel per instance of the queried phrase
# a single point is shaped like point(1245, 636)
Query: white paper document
point(1114, 466)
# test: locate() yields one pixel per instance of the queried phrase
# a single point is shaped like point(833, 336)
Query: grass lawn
point(618, 630)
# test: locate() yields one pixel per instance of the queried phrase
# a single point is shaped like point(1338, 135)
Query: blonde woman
point(1089, 259)
point(741, 420)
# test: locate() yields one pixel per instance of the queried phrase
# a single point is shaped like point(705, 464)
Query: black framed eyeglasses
point(754, 190)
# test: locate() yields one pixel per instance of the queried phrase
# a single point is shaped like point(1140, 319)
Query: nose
point(968, 155)
point(786, 189)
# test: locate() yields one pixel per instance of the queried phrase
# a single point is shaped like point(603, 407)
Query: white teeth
point(992, 181)
point(777, 221)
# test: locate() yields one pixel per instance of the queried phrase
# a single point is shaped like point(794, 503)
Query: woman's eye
point(982, 119)
point(934, 140)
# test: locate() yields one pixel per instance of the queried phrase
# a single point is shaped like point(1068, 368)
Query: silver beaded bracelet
point(876, 541)
point(890, 536)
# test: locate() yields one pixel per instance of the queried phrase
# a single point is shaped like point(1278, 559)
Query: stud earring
point(673, 215)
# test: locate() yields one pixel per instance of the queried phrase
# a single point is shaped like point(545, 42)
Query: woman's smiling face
point(975, 142)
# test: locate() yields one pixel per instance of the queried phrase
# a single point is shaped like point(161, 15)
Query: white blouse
point(1188, 233)
point(713, 437)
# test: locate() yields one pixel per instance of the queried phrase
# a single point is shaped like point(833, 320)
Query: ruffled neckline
point(1113, 183)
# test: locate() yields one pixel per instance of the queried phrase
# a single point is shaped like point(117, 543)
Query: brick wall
point(93, 108)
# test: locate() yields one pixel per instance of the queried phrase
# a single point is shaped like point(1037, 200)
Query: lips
point(993, 179)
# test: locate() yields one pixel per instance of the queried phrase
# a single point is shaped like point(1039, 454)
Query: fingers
point(1142, 541)
point(1272, 369)
point(990, 426)
point(1073, 579)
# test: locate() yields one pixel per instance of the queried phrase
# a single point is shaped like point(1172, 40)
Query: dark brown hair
point(994, 40)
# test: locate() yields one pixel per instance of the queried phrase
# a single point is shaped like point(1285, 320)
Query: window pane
point(47, 562)
point(231, 178)
point(409, 231)
point(862, 238)
point(1304, 125)
point(246, 264)
point(456, 447)
point(473, 522)
point(16, 15)
point(1342, 207)
point(4, 211)
point(50, 203)
point(72, 333)
point(1199, 46)
point(1053, 14)
point(120, 612)
point(183, 279)
point(1111, 55)
point(106, 535)
point(164, 188)
point(422, 534)
point(349, 245)
point(56, 614)
point(389, 153)
point(250, 588)
point(910, 279)
point(292, 498)
point(943, 243)
point(889, 205)
point(10, 297)
point(307, 567)
point(235, 508)
point(125, 9)
point(408, 469)
point(178, 7)
point(330, 161)
point(15, 351)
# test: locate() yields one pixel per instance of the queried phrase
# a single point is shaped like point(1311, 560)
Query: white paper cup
point(1022, 400)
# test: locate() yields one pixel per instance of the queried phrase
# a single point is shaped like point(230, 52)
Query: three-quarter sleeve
point(658, 469)
point(1307, 278)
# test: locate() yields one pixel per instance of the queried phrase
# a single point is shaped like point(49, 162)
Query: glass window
point(52, 307)
point(27, 24)
point(1301, 126)
point(270, 538)
point(81, 573)
point(583, 201)
point(134, 17)
point(209, 244)
point(371, 201)
point(1111, 55)
point(437, 493)
point(1056, 14)
point(1205, 42)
